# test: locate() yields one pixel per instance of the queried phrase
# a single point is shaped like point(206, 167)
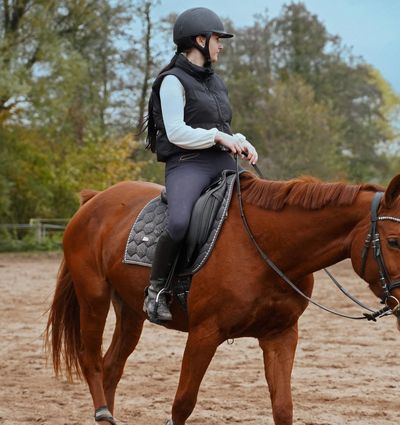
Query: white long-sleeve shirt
point(172, 96)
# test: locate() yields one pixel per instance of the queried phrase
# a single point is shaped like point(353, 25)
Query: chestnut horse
point(304, 225)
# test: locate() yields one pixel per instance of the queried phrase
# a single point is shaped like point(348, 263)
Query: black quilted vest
point(207, 105)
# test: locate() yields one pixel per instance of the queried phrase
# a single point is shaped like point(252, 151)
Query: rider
point(188, 126)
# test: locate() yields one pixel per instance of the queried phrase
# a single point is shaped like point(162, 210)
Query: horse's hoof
point(103, 415)
point(170, 422)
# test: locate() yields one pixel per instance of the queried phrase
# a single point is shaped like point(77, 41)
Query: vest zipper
point(216, 102)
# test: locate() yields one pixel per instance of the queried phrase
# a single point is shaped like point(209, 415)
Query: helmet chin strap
point(205, 50)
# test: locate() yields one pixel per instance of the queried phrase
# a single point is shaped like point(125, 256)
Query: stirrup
point(154, 316)
point(103, 414)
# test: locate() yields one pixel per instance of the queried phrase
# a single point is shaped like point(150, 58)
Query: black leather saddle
point(204, 214)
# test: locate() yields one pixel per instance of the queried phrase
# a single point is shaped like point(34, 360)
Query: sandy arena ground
point(346, 372)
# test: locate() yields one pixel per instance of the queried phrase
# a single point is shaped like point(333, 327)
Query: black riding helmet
point(194, 22)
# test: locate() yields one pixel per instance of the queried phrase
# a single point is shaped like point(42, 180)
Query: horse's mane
point(306, 192)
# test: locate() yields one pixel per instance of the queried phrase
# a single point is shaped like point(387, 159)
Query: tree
point(20, 48)
point(300, 136)
point(304, 48)
point(291, 55)
point(60, 74)
point(148, 62)
point(75, 77)
point(245, 67)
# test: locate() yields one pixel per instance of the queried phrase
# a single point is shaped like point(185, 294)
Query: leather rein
point(373, 238)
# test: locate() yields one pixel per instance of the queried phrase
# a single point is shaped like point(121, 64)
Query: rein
point(384, 276)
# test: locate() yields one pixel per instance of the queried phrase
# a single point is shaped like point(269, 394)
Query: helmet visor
point(223, 34)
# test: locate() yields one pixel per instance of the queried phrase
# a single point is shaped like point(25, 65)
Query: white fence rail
point(40, 226)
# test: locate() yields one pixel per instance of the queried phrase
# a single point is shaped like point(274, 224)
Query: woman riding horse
point(304, 225)
point(189, 128)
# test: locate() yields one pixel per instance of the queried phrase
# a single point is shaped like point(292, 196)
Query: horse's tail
point(62, 333)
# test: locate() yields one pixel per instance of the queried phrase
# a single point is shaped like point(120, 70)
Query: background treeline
point(75, 77)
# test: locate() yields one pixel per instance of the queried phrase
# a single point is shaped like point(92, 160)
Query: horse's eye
point(394, 243)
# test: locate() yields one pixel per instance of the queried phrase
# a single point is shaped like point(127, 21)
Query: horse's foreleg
point(128, 329)
point(279, 354)
point(200, 349)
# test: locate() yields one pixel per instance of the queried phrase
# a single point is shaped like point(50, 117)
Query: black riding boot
point(166, 251)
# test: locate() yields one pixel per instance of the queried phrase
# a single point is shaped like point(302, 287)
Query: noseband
point(373, 239)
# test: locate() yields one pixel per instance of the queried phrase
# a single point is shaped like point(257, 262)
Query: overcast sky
point(370, 27)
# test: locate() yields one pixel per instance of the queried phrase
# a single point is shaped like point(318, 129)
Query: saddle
point(204, 214)
point(206, 221)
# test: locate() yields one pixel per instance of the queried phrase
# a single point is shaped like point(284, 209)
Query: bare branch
point(147, 62)
point(19, 9)
point(6, 14)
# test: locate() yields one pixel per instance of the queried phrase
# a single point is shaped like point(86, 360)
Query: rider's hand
point(231, 142)
point(237, 144)
point(249, 150)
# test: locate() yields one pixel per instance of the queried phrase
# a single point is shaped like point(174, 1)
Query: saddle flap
point(204, 214)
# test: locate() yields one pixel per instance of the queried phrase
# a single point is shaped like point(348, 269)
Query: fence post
point(37, 225)
point(38, 232)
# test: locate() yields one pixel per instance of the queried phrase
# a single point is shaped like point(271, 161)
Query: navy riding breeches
point(186, 176)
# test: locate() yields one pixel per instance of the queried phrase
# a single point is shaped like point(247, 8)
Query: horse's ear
point(392, 191)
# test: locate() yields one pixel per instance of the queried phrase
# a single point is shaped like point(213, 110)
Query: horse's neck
point(315, 239)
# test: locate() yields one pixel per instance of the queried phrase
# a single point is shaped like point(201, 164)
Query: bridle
point(373, 237)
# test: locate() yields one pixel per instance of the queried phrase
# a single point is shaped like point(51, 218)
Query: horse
point(303, 224)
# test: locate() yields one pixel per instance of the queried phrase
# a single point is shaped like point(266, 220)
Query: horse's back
point(108, 215)
point(127, 192)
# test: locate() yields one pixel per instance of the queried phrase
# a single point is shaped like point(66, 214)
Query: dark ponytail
point(148, 122)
